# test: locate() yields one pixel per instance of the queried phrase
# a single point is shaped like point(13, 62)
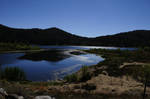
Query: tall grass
point(12, 74)
point(81, 76)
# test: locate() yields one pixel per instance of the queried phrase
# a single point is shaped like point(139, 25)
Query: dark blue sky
point(81, 17)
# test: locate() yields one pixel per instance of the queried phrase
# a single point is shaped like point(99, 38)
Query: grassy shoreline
point(16, 47)
point(121, 61)
point(22, 51)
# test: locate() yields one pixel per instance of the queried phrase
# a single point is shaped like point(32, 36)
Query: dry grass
point(117, 85)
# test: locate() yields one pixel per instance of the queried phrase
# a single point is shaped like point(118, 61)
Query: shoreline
point(22, 51)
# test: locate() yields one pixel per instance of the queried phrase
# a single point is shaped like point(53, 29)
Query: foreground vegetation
point(12, 74)
point(82, 76)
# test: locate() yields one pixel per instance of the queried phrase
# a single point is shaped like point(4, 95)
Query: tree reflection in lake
point(49, 55)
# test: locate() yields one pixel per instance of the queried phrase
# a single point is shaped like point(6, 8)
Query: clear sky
point(81, 17)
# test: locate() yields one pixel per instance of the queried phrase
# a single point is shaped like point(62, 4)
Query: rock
point(3, 92)
point(14, 96)
point(104, 73)
point(20, 97)
point(44, 97)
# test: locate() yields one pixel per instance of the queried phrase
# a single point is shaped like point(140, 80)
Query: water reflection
point(78, 62)
point(49, 55)
point(9, 58)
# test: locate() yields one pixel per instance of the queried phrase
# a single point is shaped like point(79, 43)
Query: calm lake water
point(52, 64)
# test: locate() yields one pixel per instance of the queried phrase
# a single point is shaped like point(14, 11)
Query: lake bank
point(22, 51)
point(17, 47)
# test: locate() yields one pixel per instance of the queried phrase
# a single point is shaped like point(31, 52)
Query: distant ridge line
point(56, 36)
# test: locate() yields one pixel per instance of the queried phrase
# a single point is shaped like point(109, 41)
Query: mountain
point(137, 38)
point(52, 36)
point(56, 36)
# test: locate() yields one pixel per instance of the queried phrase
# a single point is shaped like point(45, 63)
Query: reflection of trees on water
point(50, 55)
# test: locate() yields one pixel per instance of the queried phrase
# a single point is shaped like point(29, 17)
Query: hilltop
point(136, 38)
point(51, 36)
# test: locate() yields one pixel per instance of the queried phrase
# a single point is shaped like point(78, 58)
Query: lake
point(54, 63)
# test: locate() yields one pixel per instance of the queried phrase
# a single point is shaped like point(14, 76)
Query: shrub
point(81, 76)
point(13, 74)
point(71, 78)
point(84, 75)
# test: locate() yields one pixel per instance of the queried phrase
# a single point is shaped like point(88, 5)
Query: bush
point(13, 74)
point(138, 72)
point(81, 76)
point(84, 75)
point(71, 78)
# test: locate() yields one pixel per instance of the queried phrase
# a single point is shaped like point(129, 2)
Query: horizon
point(84, 18)
point(73, 33)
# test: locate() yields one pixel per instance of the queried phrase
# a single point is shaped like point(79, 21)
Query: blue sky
point(81, 17)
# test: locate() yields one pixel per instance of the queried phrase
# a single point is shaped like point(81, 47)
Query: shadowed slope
point(55, 36)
